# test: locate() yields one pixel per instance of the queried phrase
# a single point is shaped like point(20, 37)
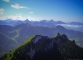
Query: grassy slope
point(8, 55)
point(8, 38)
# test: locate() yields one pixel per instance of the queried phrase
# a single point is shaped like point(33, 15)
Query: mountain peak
point(61, 38)
point(58, 34)
point(38, 37)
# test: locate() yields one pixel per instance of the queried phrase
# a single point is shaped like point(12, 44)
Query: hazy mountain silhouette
point(51, 22)
point(45, 23)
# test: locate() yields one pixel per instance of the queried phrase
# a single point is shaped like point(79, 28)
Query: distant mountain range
point(44, 48)
point(69, 25)
point(37, 23)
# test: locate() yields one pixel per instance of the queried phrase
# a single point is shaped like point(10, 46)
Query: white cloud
point(17, 6)
point(15, 17)
point(31, 12)
point(68, 25)
point(2, 17)
point(1, 11)
point(6, 0)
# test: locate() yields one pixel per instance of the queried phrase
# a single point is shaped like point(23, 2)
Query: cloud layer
point(69, 25)
point(31, 12)
point(6, 0)
point(17, 6)
point(1, 11)
point(15, 17)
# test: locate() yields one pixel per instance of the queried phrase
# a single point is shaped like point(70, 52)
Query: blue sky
point(63, 10)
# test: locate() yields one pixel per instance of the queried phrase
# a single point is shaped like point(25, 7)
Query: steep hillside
point(45, 48)
point(7, 39)
point(6, 44)
point(13, 51)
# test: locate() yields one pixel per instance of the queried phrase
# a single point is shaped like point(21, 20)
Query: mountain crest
point(61, 38)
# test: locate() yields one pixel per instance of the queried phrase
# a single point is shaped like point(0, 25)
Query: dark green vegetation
point(45, 48)
point(12, 37)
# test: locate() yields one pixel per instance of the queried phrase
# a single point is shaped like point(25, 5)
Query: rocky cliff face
point(40, 48)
